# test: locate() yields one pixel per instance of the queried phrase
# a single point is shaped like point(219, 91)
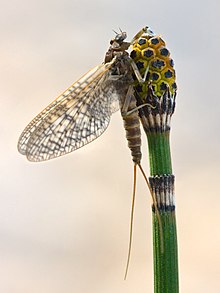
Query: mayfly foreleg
point(144, 30)
point(137, 36)
point(138, 74)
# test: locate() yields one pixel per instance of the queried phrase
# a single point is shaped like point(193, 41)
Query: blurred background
point(64, 224)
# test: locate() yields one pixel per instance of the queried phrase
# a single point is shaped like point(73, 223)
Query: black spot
point(153, 87)
point(142, 42)
point(148, 75)
point(154, 41)
point(163, 86)
point(171, 62)
point(158, 63)
point(174, 86)
point(140, 64)
point(139, 88)
point(133, 54)
point(155, 76)
point(164, 52)
point(168, 74)
point(148, 53)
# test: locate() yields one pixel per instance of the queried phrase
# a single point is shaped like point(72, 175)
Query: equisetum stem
point(159, 153)
point(158, 89)
point(165, 264)
point(162, 184)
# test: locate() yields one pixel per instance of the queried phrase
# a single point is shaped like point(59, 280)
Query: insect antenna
point(115, 32)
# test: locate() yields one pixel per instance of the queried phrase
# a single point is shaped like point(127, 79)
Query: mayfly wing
point(75, 118)
point(24, 137)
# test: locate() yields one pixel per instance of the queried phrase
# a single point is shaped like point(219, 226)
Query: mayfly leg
point(124, 111)
point(137, 36)
point(145, 29)
point(137, 72)
point(139, 107)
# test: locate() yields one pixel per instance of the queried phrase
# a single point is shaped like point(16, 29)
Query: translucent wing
point(75, 118)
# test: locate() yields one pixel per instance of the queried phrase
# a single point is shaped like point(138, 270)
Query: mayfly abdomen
point(133, 132)
point(123, 83)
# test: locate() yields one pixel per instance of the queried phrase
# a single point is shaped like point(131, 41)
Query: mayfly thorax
point(83, 111)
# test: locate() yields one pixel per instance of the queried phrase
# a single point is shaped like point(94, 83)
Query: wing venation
point(75, 118)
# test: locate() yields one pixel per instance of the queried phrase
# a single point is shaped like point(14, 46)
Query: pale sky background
point(64, 224)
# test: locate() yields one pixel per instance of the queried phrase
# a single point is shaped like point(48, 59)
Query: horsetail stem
point(159, 89)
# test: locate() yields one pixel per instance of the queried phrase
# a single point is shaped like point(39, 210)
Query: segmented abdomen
point(133, 132)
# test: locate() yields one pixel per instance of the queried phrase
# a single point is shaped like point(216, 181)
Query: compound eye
point(121, 37)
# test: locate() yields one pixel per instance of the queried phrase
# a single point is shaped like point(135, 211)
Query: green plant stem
point(166, 262)
point(162, 183)
point(159, 153)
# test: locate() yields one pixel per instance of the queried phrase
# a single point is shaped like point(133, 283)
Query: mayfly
point(83, 111)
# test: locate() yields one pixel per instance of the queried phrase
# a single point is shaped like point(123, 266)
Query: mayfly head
point(117, 46)
point(119, 38)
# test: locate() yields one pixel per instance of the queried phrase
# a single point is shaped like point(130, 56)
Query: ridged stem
point(159, 153)
point(166, 263)
point(162, 183)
